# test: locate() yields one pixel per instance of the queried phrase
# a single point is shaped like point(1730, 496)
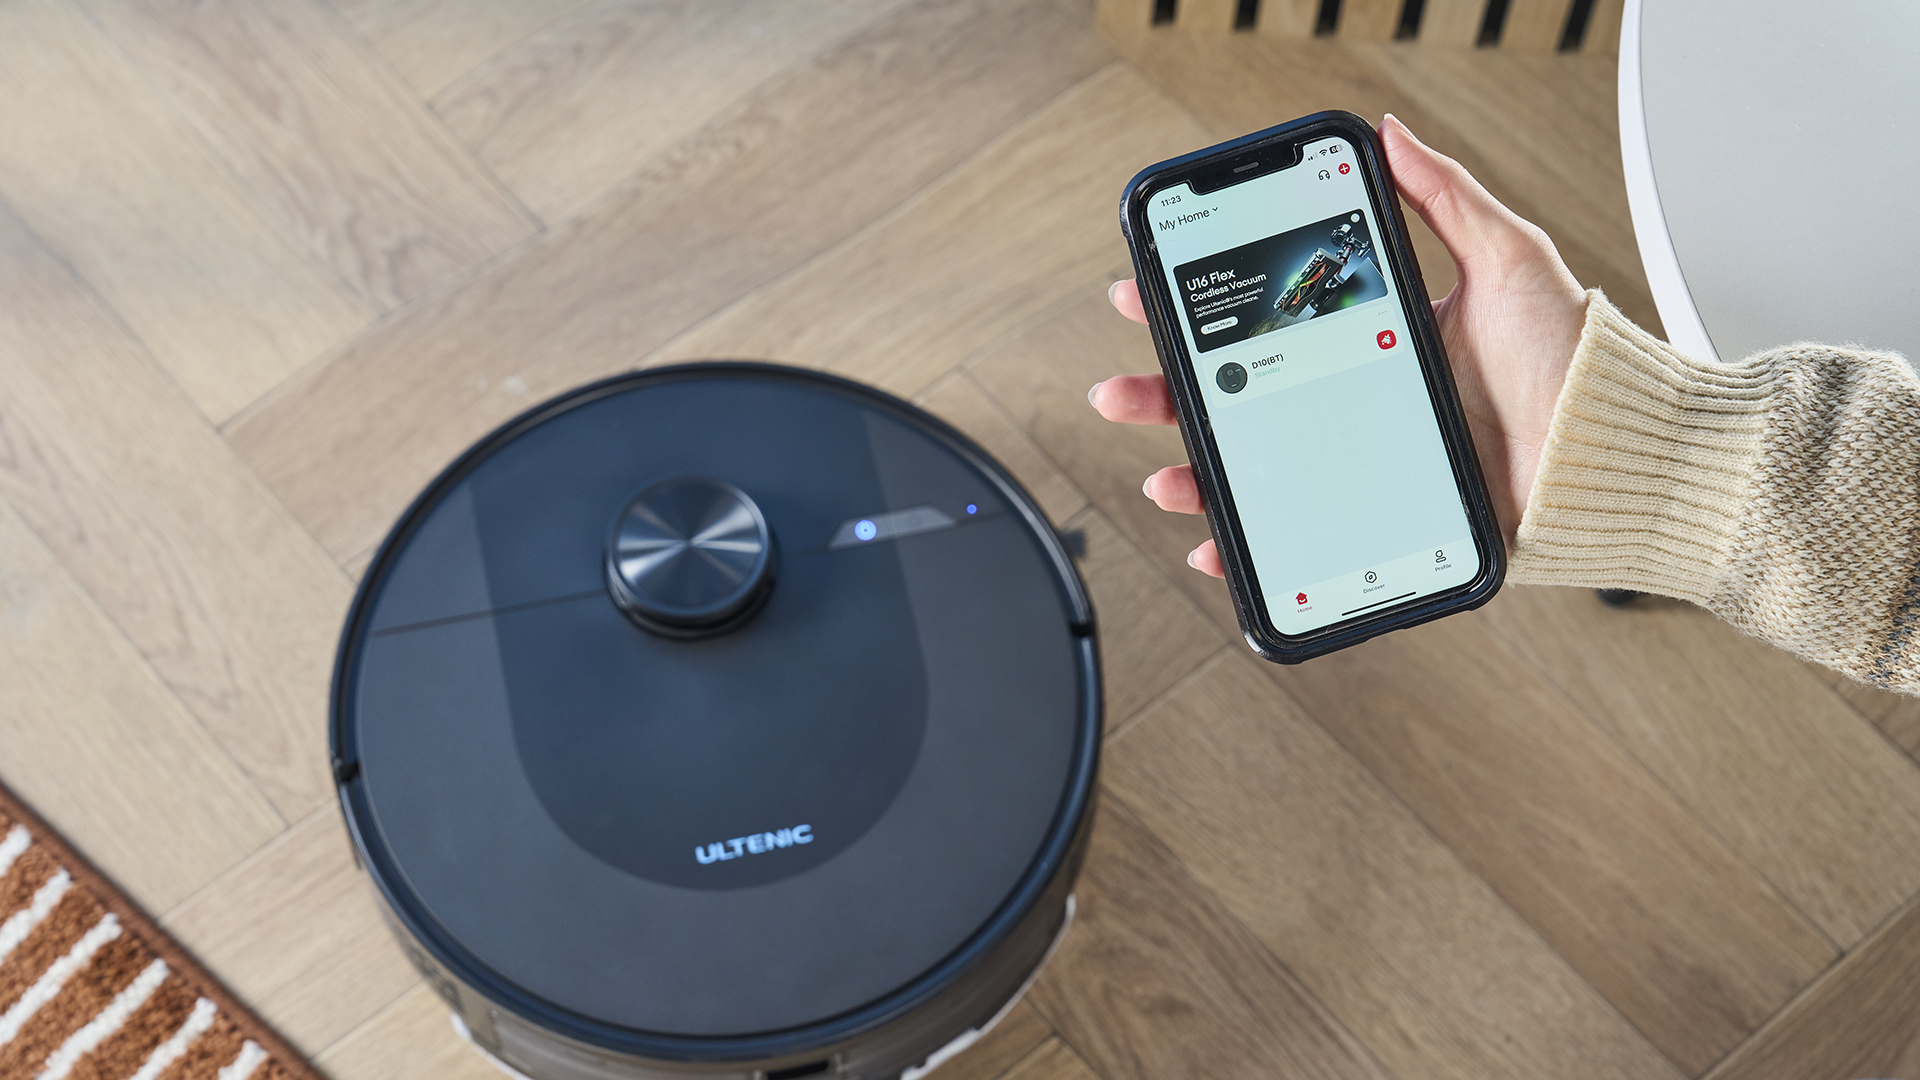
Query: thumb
point(1464, 215)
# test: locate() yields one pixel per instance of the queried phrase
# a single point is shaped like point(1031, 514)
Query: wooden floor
point(266, 266)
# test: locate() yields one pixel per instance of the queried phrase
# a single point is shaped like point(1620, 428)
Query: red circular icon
point(1385, 338)
point(1345, 168)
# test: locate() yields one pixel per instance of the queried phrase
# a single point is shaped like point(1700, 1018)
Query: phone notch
point(1239, 169)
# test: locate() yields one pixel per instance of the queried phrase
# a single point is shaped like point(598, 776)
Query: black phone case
point(1162, 320)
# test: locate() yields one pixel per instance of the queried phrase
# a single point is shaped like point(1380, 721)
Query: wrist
point(1647, 465)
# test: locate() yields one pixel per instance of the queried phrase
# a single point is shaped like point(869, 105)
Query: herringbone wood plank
point(1405, 945)
point(1693, 945)
point(232, 604)
point(796, 168)
point(579, 106)
point(918, 293)
point(1157, 979)
point(431, 43)
point(1054, 1060)
point(1861, 1019)
point(335, 148)
point(1756, 744)
point(105, 753)
point(410, 1039)
point(1895, 714)
point(123, 190)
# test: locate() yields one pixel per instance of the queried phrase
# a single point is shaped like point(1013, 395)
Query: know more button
point(1220, 324)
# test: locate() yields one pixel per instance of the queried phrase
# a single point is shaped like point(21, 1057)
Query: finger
point(1133, 399)
point(1463, 214)
point(1206, 559)
point(1125, 296)
point(1173, 489)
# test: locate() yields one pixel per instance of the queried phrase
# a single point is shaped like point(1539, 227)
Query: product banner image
point(1273, 283)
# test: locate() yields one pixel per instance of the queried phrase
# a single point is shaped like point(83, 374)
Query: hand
point(1510, 327)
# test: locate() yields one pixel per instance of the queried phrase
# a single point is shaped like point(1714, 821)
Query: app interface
point(1294, 326)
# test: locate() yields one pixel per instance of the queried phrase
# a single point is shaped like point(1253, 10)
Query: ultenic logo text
point(754, 844)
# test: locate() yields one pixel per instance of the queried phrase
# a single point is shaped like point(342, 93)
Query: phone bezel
point(1282, 144)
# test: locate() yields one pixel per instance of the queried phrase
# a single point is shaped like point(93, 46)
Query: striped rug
point(91, 989)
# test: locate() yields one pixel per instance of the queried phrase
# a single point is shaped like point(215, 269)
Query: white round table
point(1772, 153)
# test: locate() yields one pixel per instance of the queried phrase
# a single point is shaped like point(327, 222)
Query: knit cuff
point(1647, 468)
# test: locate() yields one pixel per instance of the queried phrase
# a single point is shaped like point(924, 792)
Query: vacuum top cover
point(714, 701)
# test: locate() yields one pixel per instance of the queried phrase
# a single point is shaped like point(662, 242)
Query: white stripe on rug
point(242, 1067)
point(61, 1061)
point(18, 841)
point(21, 923)
point(197, 1022)
point(56, 976)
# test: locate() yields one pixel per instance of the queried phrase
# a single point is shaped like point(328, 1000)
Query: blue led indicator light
point(865, 529)
point(972, 509)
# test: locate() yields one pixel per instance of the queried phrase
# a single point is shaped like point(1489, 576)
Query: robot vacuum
point(727, 720)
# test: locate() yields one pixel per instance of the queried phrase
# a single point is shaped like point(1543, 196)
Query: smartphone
point(1316, 401)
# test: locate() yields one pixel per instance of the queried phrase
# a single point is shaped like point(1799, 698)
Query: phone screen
point(1332, 450)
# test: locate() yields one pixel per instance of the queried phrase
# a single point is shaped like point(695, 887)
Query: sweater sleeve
point(1781, 491)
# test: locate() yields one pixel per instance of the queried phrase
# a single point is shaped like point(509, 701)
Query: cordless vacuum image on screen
point(1274, 283)
point(1323, 421)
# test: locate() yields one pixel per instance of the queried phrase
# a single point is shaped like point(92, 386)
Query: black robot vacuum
point(724, 719)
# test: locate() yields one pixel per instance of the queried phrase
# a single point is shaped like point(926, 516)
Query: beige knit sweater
point(1781, 491)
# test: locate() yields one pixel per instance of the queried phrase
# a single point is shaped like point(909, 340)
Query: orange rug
point(92, 989)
